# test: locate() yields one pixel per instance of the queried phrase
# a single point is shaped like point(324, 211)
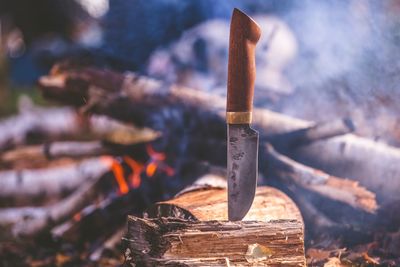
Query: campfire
point(124, 169)
point(82, 190)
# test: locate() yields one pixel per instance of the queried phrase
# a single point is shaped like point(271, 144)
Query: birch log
point(374, 165)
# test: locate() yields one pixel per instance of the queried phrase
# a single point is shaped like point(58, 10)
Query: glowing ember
point(168, 170)
point(136, 171)
point(77, 217)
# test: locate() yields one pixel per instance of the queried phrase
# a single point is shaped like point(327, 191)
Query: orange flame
point(119, 177)
point(136, 171)
point(157, 161)
point(151, 169)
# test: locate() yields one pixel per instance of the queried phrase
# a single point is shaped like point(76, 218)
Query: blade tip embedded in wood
point(274, 223)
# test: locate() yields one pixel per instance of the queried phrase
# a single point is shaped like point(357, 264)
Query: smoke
point(326, 60)
point(331, 38)
point(347, 64)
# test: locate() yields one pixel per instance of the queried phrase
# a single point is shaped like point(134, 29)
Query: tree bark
point(28, 221)
point(36, 124)
point(51, 181)
point(192, 230)
point(335, 188)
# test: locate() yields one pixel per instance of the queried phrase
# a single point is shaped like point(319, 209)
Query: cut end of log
point(192, 230)
point(211, 204)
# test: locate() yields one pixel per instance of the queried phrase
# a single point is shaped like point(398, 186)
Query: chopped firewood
point(38, 123)
point(51, 181)
point(276, 166)
point(373, 164)
point(140, 90)
point(31, 220)
point(41, 153)
point(344, 190)
point(192, 230)
point(319, 131)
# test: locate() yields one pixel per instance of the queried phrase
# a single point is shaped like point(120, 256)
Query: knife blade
point(242, 140)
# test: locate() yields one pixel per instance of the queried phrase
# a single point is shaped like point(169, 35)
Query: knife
point(242, 156)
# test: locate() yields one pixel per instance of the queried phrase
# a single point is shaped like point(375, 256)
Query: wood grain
point(192, 230)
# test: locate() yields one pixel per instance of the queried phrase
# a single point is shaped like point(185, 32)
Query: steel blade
point(242, 169)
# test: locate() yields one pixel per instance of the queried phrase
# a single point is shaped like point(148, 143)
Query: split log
point(192, 230)
point(374, 165)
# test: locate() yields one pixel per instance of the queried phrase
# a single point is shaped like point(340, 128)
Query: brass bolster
point(238, 117)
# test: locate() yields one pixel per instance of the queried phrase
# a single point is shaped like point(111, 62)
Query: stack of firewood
point(129, 141)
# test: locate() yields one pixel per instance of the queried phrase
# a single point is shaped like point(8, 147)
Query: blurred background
point(316, 60)
point(341, 56)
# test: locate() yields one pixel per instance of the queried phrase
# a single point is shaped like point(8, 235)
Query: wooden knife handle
point(244, 35)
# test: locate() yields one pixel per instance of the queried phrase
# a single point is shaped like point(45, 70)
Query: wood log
point(308, 135)
point(142, 91)
point(192, 230)
point(371, 163)
point(340, 189)
point(35, 124)
point(28, 221)
point(39, 123)
point(42, 153)
point(53, 181)
point(274, 165)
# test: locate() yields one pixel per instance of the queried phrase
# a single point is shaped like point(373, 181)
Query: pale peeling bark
point(51, 181)
point(28, 221)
